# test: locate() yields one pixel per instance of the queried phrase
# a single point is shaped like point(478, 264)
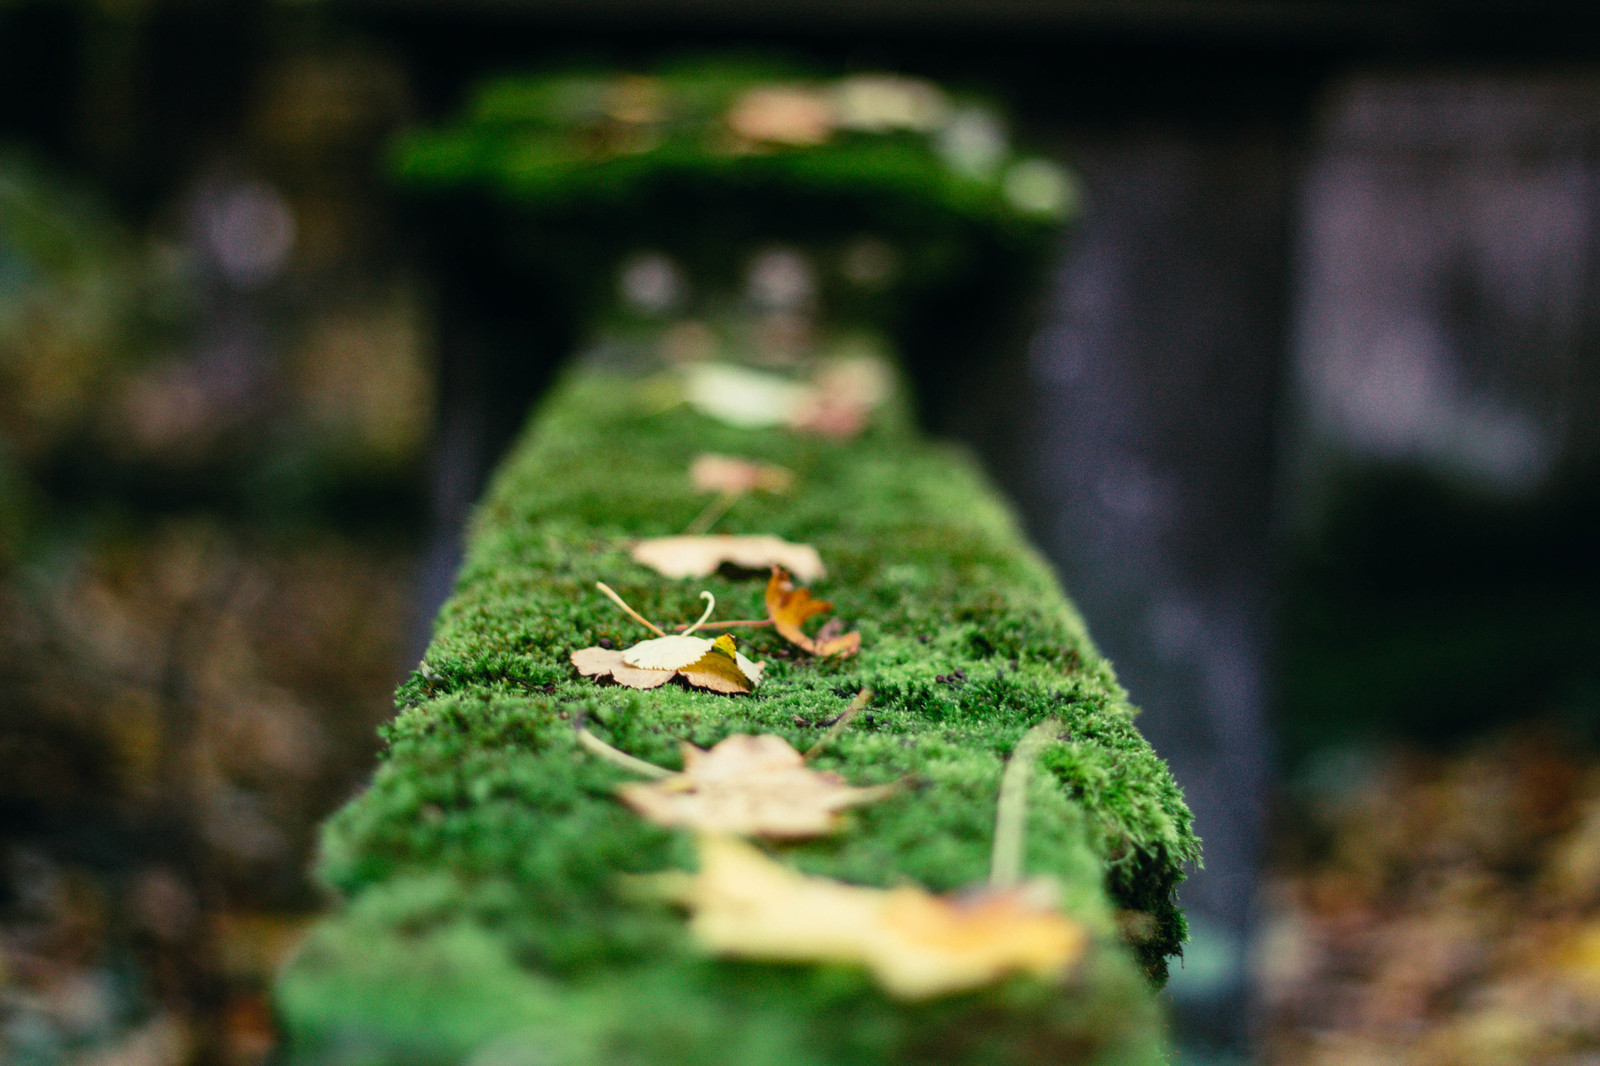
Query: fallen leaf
point(740, 396)
point(915, 944)
point(794, 115)
point(878, 103)
point(838, 402)
point(666, 653)
point(718, 666)
point(789, 608)
point(843, 396)
point(699, 556)
point(748, 786)
point(723, 669)
point(711, 472)
point(604, 662)
point(711, 664)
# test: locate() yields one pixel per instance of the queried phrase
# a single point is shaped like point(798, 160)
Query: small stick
point(635, 615)
point(863, 698)
point(727, 625)
point(714, 511)
point(1011, 811)
point(620, 758)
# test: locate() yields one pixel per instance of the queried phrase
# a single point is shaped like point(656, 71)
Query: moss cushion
point(484, 910)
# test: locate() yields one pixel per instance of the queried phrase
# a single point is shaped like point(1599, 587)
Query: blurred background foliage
point(215, 415)
point(225, 433)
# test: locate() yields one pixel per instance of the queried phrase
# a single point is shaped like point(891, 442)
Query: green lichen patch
point(487, 906)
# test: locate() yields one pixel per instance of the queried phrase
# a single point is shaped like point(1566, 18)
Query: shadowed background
point(1303, 410)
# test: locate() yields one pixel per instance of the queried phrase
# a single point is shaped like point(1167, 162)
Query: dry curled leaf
point(710, 664)
point(704, 663)
point(748, 786)
point(699, 556)
point(711, 472)
point(915, 944)
point(790, 607)
point(605, 662)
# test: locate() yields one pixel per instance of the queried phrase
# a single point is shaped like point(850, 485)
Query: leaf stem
point(635, 615)
point(711, 605)
point(727, 625)
point(1011, 810)
point(858, 704)
point(713, 511)
point(620, 758)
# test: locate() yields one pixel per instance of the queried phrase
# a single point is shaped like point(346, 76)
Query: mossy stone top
point(485, 910)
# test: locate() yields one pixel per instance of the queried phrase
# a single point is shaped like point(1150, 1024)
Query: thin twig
point(620, 758)
point(713, 511)
point(635, 615)
point(1011, 811)
point(863, 698)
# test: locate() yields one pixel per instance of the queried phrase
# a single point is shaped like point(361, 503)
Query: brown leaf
point(699, 556)
point(748, 786)
point(789, 608)
point(605, 662)
point(917, 945)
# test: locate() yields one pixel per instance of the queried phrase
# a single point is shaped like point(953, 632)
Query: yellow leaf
point(789, 608)
point(699, 556)
point(723, 669)
point(748, 786)
point(915, 944)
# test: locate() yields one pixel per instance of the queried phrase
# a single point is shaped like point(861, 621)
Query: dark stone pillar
point(1154, 379)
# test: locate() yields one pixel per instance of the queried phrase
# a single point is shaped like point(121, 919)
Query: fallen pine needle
point(857, 705)
point(1011, 811)
point(620, 758)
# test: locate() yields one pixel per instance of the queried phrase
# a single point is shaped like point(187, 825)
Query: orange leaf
point(790, 607)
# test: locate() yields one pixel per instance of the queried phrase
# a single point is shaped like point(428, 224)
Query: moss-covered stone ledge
point(484, 916)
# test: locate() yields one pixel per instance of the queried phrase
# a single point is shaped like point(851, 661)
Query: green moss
point(481, 869)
